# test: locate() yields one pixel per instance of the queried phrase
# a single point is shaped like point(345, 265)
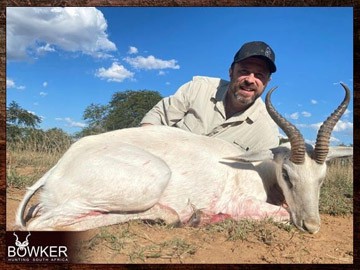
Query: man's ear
point(230, 72)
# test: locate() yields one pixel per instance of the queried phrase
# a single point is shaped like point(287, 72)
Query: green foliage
point(126, 109)
point(129, 107)
point(22, 134)
point(19, 121)
point(95, 115)
point(13, 179)
point(15, 115)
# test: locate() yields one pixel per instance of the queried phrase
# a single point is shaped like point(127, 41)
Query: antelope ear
point(339, 151)
point(253, 156)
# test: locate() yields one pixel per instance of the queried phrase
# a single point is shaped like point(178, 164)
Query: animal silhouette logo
point(22, 245)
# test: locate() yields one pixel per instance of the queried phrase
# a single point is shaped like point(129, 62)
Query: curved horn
point(323, 136)
point(297, 142)
point(26, 240)
point(17, 242)
point(17, 238)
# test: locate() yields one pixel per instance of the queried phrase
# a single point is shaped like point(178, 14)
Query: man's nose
point(250, 78)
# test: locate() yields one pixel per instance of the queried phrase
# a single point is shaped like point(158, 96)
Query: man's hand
point(145, 124)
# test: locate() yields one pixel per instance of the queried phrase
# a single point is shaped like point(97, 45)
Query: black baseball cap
point(257, 49)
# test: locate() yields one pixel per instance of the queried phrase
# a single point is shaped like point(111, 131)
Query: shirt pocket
point(244, 146)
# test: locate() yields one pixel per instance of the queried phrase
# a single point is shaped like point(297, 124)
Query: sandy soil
point(136, 242)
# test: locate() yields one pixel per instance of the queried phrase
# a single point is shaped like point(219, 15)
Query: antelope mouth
point(285, 205)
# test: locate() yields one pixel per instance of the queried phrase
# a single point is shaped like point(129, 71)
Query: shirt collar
point(218, 97)
point(221, 91)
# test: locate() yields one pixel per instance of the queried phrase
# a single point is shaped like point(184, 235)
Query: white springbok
point(159, 172)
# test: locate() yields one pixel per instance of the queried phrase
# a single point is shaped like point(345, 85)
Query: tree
point(22, 135)
point(15, 115)
point(129, 107)
point(94, 115)
point(126, 109)
point(18, 121)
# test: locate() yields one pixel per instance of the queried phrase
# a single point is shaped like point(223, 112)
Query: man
point(231, 111)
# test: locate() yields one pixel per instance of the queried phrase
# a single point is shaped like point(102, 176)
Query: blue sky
point(59, 61)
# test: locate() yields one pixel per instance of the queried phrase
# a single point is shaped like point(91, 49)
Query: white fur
point(163, 172)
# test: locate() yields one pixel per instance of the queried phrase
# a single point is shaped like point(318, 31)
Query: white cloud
point(340, 126)
point(32, 31)
point(334, 140)
point(43, 94)
point(294, 115)
point(116, 73)
point(313, 101)
point(305, 114)
point(151, 62)
point(11, 84)
point(315, 126)
point(336, 83)
point(45, 49)
point(347, 112)
point(71, 123)
point(33, 113)
point(343, 126)
point(45, 84)
point(132, 50)
point(302, 125)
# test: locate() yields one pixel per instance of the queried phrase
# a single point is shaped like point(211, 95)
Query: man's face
point(248, 81)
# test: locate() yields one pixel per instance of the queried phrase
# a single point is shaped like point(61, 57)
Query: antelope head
point(302, 169)
point(19, 244)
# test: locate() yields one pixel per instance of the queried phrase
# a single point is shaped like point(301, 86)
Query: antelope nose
point(311, 225)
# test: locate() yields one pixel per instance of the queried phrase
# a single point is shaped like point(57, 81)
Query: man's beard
point(234, 87)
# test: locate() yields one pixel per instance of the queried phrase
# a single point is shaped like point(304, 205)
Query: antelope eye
point(286, 177)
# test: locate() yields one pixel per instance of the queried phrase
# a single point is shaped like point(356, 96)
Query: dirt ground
point(136, 242)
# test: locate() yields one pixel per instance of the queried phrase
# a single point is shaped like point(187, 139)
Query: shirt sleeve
point(170, 110)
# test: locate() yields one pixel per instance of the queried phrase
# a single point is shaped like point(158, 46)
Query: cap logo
point(267, 52)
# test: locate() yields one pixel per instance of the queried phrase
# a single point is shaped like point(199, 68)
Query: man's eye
point(244, 72)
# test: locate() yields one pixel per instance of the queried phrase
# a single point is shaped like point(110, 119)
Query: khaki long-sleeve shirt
point(198, 107)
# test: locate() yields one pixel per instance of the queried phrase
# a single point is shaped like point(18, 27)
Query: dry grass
point(336, 197)
point(28, 160)
point(23, 168)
